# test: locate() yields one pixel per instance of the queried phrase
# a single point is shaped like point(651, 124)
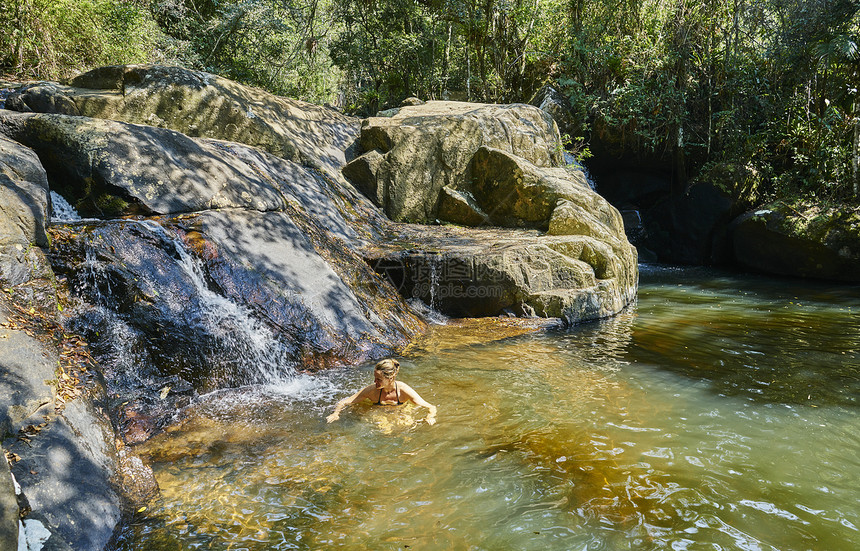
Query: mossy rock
point(802, 241)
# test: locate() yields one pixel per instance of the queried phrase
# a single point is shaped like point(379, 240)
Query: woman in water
point(385, 391)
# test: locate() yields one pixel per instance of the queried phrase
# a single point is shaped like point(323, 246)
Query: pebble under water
point(719, 412)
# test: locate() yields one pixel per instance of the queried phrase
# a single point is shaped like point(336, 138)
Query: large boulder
point(200, 104)
point(809, 241)
point(416, 151)
point(109, 168)
point(499, 166)
point(24, 203)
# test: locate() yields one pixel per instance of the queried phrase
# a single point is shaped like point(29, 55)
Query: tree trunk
point(855, 161)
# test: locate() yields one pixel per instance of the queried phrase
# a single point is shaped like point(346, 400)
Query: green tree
point(53, 39)
point(279, 45)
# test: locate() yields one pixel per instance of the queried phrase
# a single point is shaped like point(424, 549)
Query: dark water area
point(718, 412)
point(777, 341)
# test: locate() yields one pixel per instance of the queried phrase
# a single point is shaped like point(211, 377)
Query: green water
point(718, 412)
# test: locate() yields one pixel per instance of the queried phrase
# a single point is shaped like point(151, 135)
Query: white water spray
point(61, 210)
point(266, 357)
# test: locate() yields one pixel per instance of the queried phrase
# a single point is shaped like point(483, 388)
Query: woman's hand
point(333, 417)
point(430, 420)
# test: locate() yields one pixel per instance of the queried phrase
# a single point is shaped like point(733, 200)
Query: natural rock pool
point(719, 412)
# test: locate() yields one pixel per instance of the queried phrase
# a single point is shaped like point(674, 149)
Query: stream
point(718, 412)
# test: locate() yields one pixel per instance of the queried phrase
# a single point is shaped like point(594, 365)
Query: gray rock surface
point(111, 168)
point(201, 104)
point(23, 213)
point(65, 473)
point(65, 468)
point(8, 507)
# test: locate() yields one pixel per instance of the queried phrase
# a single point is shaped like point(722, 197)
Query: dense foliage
point(51, 39)
point(767, 88)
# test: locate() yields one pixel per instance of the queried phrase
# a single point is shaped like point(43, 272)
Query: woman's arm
point(345, 402)
point(410, 393)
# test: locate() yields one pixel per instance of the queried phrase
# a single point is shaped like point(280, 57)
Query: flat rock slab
point(495, 271)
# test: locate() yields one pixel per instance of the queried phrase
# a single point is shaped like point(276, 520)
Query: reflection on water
point(718, 413)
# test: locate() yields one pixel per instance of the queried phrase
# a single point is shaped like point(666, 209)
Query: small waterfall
point(435, 264)
point(214, 337)
point(61, 210)
point(263, 354)
point(571, 160)
point(591, 183)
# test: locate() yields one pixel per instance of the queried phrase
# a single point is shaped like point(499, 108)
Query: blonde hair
point(388, 367)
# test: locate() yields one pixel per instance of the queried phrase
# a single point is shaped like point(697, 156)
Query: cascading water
point(61, 210)
point(435, 264)
point(571, 160)
point(265, 358)
point(176, 318)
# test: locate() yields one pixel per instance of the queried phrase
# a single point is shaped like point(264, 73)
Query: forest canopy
point(767, 85)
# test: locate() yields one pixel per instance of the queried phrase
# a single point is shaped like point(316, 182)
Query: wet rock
point(347, 313)
point(428, 147)
point(802, 242)
point(192, 292)
point(135, 478)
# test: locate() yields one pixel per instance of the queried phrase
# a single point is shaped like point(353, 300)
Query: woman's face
point(381, 380)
